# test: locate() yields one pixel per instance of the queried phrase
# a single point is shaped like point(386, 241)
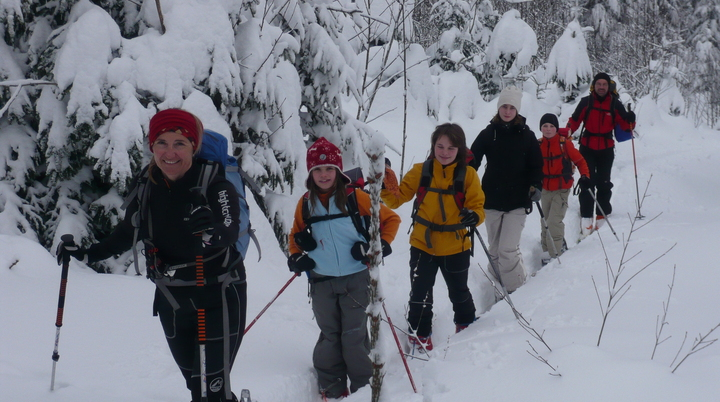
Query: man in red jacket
point(599, 113)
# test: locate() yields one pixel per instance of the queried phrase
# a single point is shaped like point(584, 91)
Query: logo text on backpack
point(225, 205)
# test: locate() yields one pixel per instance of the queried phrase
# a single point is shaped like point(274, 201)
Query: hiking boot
point(586, 226)
point(599, 221)
point(460, 327)
point(328, 397)
point(421, 343)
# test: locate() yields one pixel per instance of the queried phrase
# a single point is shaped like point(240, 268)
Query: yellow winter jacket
point(444, 243)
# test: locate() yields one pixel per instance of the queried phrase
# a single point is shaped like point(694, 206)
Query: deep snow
point(112, 349)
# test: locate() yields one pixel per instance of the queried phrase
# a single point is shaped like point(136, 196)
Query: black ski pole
point(202, 331)
point(67, 240)
point(547, 231)
point(592, 192)
point(639, 215)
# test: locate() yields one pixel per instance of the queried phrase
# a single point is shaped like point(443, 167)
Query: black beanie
point(549, 118)
point(601, 76)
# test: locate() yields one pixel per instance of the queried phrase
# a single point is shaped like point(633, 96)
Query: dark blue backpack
point(215, 148)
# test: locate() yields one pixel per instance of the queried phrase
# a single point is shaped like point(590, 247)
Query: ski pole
point(202, 331)
point(547, 231)
point(271, 302)
point(67, 240)
point(397, 342)
point(496, 270)
point(592, 192)
point(637, 187)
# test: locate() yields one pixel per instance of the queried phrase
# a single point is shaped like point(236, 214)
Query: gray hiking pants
point(504, 230)
point(554, 205)
point(342, 351)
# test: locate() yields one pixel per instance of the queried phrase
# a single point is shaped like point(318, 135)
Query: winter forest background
point(79, 81)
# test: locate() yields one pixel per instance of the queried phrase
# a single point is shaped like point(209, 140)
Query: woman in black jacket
point(177, 223)
point(512, 181)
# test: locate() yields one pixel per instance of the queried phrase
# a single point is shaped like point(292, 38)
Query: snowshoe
point(599, 222)
point(421, 344)
point(586, 228)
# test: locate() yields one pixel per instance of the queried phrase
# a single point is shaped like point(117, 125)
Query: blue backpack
point(215, 148)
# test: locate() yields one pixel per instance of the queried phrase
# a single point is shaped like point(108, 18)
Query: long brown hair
point(339, 190)
point(456, 135)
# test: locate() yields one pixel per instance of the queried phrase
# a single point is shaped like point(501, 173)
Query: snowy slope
point(112, 349)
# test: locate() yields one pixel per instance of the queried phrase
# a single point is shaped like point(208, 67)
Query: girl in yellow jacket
point(449, 202)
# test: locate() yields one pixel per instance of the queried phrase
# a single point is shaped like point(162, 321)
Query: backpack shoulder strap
point(459, 186)
point(425, 180)
point(354, 212)
point(208, 172)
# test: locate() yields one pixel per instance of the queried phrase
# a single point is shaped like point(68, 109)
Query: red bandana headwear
point(172, 120)
point(324, 153)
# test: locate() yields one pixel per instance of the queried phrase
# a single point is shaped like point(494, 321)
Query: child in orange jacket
point(329, 240)
point(559, 157)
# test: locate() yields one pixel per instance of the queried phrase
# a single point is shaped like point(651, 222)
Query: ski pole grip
point(68, 239)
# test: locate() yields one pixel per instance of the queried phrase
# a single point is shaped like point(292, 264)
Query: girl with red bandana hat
point(174, 215)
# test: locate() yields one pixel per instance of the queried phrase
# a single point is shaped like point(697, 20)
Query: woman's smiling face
point(173, 154)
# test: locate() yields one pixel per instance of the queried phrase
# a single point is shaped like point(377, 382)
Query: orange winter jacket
point(558, 153)
point(389, 220)
point(444, 243)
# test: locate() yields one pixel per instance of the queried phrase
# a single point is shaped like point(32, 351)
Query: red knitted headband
point(172, 120)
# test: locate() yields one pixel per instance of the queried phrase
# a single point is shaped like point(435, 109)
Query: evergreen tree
point(568, 63)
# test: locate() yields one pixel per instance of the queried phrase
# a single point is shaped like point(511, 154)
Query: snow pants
point(225, 306)
point(554, 205)
point(342, 351)
point(600, 165)
point(423, 270)
point(504, 230)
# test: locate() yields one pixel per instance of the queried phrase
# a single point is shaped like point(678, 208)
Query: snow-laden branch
point(12, 83)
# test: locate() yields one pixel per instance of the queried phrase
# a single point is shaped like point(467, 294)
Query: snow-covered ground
point(113, 349)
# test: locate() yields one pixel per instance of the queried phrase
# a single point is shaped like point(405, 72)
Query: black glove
point(305, 240)
point(386, 249)
point(359, 251)
point(469, 217)
point(200, 219)
point(584, 182)
point(534, 194)
point(300, 262)
point(631, 117)
point(70, 249)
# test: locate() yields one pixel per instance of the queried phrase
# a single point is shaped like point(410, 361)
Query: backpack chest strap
point(436, 227)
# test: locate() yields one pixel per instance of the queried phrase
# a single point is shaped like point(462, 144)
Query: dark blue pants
point(225, 324)
point(423, 270)
point(600, 164)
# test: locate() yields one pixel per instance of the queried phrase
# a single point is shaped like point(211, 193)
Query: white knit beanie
point(510, 96)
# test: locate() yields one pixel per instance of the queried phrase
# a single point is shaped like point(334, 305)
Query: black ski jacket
point(514, 163)
point(168, 204)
